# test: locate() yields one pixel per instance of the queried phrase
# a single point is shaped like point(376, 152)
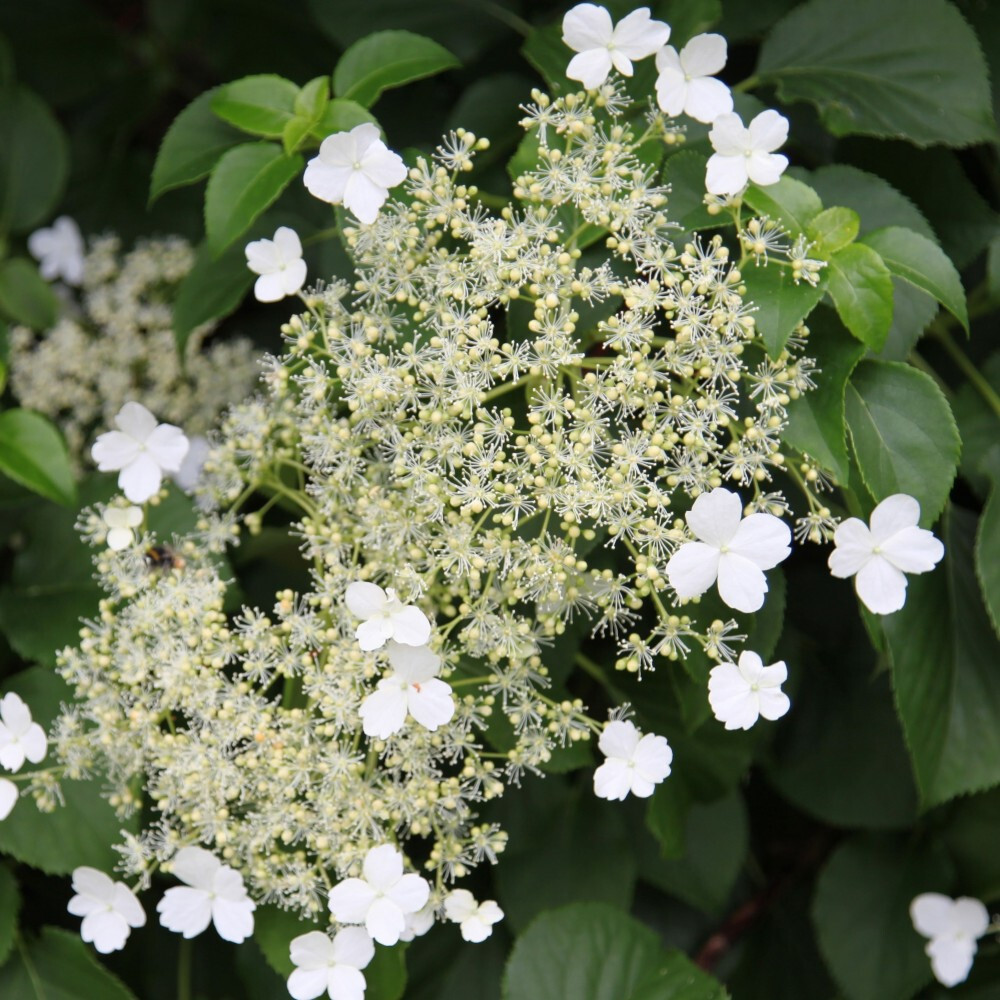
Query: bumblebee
point(163, 557)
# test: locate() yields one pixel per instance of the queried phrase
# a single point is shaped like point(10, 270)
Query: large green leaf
point(246, 180)
point(944, 672)
point(58, 966)
point(861, 288)
point(862, 919)
point(898, 68)
point(781, 303)
point(10, 903)
point(261, 105)
point(970, 836)
point(25, 296)
point(789, 202)
point(33, 453)
point(34, 160)
point(903, 433)
point(923, 264)
point(192, 146)
point(988, 556)
point(387, 59)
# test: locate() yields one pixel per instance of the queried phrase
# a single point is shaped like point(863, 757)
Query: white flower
point(279, 263)
point(120, 522)
point(331, 967)
point(20, 738)
point(413, 688)
point(59, 250)
point(635, 763)
point(142, 449)
point(878, 557)
point(109, 909)
point(188, 475)
point(216, 894)
point(745, 154)
point(419, 923)
point(476, 920)
point(588, 30)
point(732, 549)
point(953, 926)
point(8, 797)
point(740, 693)
point(385, 617)
point(382, 899)
point(355, 169)
point(687, 83)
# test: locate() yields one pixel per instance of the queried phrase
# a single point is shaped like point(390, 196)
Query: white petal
point(728, 136)
point(619, 739)
point(113, 450)
point(326, 182)
point(374, 633)
point(668, 59)
point(15, 714)
point(382, 166)
point(168, 446)
point(693, 568)
point(913, 550)
point(125, 902)
point(365, 136)
point(410, 893)
point(587, 26)
point(621, 62)
point(383, 867)
point(188, 475)
point(730, 697)
point(233, 920)
point(196, 866)
point(772, 704)
point(11, 756)
point(228, 884)
point(613, 780)
point(383, 712)
point(141, 478)
point(726, 174)
point(364, 197)
point(893, 514)
point(413, 663)
point(474, 930)
point(431, 703)
point(350, 900)
point(881, 587)
point(385, 921)
point(768, 131)
point(742, 584)
point(308, 984)
point(773, 676)
point(288, 244)
point(262, 257)
point(951, 959)
point(854, 545)
point(931, 913)
point(34, 744)
point(269, 287)
point(294, 276)
point(652, 758)
point(707, 98)
point(94, 883)
point(136, 421)
point(763, 539)
point(715, 517)
point(671, 92)
point(970, 917)
point(107, 930)
point(766, 168)
point(8, 797)
point(185, 911)
point(637, 35)
point(313, 950)
point(364, 600)
point(346, 983)
point(591, 68)
point(459, 905)
point(353, 946)
point(704, 55)
point(410, 626)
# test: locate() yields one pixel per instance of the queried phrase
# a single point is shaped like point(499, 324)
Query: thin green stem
point(184, 970)
point(971, 372)
point(748, 84)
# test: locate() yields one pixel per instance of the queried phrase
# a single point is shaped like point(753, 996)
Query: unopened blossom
point(954, 927)
point(600, 44)
point(475, 920)
point(355, 169)
point(385, 617)
point(188, 475)
point(330, 967)
point(279, 263)
point(742, 692)
point(20, 738)
point(731, 550)
point(109, 909)
point(879, 556)
point(687, 84)
point(142, 449)
point(382, 898)
point(121, 522)
point(744, 154)
point(8, 797)
point(59, 250)
point(214, 894)
point(635, 762)
point(413, 688)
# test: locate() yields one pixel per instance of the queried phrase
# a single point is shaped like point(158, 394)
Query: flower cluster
point(117, 344)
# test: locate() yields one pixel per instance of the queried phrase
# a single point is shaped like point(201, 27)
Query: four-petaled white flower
point(687, 84)
point(635, 763)
point(121, 521)
point(279, 263)
point(109, 909)
point(382, 899)
point(600, 44)
point(8, 797)
point(188, 475)
point(475, 920)
point(214, 893)
point(331, 967)
point(878, 557)
point(745, 154)
point(385, 617)
point(20, 738)
point(59, 251)
point(731, 549)
point(413, 687)
point(142, 449)
point(355, 169)
point(740, 693)
point(954, 927)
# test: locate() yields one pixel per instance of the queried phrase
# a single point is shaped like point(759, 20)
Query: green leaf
point(547, 52)
point(688, 18)
point(979, 426)
point(10, 903)
point(245, 181)
point(993, 269)
point(988, 556)
point(862, 919)
point(33, 453)
point(944, 655)
point(386, 974)
point(59, 966)
point(25, 296)
point(193, 145)
point(261, 105)
point(781, 303)
point(273, 930)
point(387, 59)
point(213, 288)
point(833, 229)
point(816, 424)
point(903, 433)
point(789, 202)
point(587, 951)
point(911, 69)
point(970, 837)
point(34, 160)
point(861, 288)
point(340, 116)
point(923, 264)
point(678, 978)
point(294, 132)
point(312, 99)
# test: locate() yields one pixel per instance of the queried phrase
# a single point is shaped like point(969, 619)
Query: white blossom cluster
point(116, 343)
